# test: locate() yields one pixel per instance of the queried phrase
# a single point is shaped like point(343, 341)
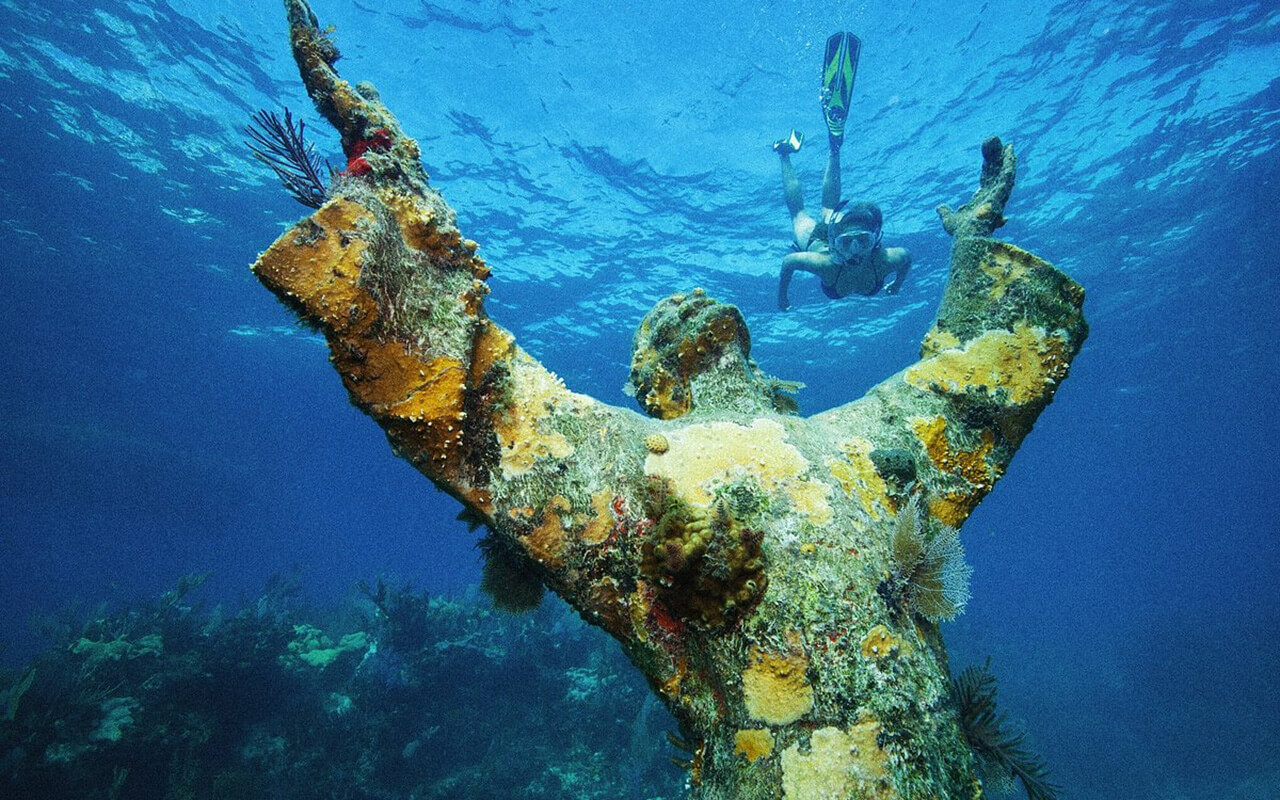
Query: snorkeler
point(843, 248)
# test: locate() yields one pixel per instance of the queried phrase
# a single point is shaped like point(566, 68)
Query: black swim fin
point(838, 72)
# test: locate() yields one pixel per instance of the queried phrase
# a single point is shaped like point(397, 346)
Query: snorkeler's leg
point(791, 187)
point(831, 179)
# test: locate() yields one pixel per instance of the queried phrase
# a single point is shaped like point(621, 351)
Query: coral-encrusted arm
point(371, 136)
point(985, 210)
point(382, 271)
point(1006, 332)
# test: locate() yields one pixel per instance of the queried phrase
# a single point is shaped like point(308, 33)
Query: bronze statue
point(777, 579)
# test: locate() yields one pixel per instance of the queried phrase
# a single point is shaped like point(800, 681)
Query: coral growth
point(656, 443)
point(357, 164)
point(229, 710)
point(707, 567)
point(880, 643)
point(838, 764)
point(753, 743)
point(929, 575)
point(1017, 363)
point(285, 149)
point(701, 457)
point(693, 351)
point(1002, 754)
point(775, 688)
point(314, 648)
point(508, 577)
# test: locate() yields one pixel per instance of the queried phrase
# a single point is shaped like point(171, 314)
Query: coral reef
point(314, 648)
point(232, 708)
point(746, 559)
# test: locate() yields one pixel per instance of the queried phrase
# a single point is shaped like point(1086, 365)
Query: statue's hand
point(984, 213)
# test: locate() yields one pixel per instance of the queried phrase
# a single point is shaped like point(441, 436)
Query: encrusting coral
point(737, 551)
point(706, 567)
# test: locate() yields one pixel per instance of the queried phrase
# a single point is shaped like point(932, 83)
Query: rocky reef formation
point(274, 697)
point(736, 551)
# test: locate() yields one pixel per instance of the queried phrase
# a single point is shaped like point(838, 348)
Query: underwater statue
point(778, 579)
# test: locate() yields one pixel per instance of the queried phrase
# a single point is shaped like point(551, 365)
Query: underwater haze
point(164, 415)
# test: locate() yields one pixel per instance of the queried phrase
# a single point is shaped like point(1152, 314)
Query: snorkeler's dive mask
point(855, 243)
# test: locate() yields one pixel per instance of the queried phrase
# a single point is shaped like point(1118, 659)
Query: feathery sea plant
point(284, 148)
point(1002, 755)
point(508, 577)
point(930, 576)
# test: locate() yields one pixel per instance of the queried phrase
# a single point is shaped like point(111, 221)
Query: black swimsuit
point(832, 291)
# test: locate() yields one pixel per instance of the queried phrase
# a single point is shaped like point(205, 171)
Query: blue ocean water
point(162, 414)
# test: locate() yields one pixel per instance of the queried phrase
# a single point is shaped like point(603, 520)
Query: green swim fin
point(838, 71)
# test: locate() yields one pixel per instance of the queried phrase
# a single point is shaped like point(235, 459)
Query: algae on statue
point(743, 556)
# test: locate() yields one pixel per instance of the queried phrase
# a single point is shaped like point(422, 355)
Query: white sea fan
point(930, 570)
point(948, 594)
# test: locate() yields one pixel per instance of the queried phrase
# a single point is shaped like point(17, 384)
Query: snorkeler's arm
point(806, 261)
point(784, 281)
point(899, 259)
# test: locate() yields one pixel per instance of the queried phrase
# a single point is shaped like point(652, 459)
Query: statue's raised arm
point(1006, 332)
point(778, 580)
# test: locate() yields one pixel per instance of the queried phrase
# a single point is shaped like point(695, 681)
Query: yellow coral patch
point(753, 743)
point(656, 443)
point(840, 764)
point(701, 456)
point(669, 398)
point(391, 379)
point(774, 687)
point(1008, 264)
point(522, 434)
point(546, 542)
point(881, 643)
point(935, 341)
point(971, 466)
point(1025, 364)
point(953, 508)
point(639, 609)
point(316, 265)
point(598, 527)
point(857, 475)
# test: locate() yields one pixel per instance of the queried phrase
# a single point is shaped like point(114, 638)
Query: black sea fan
point(1002, 755)
point(284, 148)
point(508, 577)
point(929, 576)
